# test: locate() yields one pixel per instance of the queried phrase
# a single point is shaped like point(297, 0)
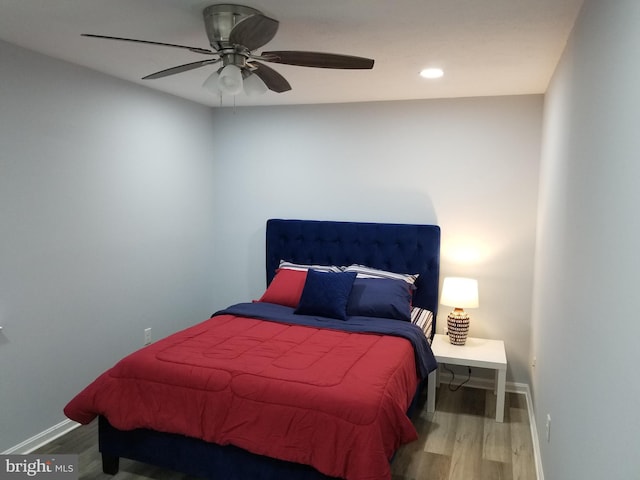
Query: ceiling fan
point(234, 32)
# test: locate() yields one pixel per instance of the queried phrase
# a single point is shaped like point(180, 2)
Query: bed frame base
point(194, 457)
point(110, 464)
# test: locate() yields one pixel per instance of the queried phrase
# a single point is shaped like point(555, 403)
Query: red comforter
point(334, 400)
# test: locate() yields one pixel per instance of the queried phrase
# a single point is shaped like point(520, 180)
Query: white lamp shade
point(253, 85)
point(211, 83)
point(230, 80)
point(460, 292)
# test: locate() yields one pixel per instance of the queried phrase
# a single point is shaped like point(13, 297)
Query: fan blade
point(272, 79)
point(179, 69)
point(185, 47)
point(254, 31)
point(318, 60)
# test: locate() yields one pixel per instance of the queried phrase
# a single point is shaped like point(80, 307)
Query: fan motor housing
point(220, 19)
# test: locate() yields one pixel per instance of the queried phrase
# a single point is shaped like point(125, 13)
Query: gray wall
point(585, 325)
point(469, 165)
point(106, 208)
point(125, 208)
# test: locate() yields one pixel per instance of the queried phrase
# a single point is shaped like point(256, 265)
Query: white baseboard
point(42, 438)
point(534, 433)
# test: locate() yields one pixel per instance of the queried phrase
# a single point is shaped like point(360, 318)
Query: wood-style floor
point(460, 441)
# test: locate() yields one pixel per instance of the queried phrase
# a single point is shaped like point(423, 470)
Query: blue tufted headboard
point(401, 248)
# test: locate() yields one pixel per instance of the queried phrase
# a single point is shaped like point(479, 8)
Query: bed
point(326, 424)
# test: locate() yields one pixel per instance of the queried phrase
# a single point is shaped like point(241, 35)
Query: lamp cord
point(453, 377)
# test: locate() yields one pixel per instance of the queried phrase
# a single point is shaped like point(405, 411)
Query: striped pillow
point(299, 266)
point(368, 272)
point(423, 318)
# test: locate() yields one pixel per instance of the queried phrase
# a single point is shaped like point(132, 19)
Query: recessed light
point(432, 73)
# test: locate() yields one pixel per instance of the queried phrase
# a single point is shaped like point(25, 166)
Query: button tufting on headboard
point(402, 248)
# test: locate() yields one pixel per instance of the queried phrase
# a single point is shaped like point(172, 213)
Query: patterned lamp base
point(458, 327)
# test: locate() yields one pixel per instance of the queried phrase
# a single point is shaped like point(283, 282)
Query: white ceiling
point(486, 47)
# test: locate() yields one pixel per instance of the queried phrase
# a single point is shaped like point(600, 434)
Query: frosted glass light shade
point(253, 85)
point(211, 83)
point(460, 292)
point(230, 80)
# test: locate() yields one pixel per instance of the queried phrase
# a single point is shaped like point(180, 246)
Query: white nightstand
point(476, 352)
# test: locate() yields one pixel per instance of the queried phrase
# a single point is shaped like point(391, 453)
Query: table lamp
point(459, 293)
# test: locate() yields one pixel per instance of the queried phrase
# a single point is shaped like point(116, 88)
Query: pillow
point(326, 294)
point(300, 266)
point(368, 272)
point(380, 297)
point(424, 319)
point(285, 288)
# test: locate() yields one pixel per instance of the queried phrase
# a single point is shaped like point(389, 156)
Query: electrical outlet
point(548, 427)
point(147, 336)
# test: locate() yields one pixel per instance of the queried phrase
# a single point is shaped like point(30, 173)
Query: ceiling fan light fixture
point(230, 80)
point(235, 32)
point(211, 83)
point(254, 86)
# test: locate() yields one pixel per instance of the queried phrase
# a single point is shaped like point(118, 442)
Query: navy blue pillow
point(326, 294)
point(380, 297)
